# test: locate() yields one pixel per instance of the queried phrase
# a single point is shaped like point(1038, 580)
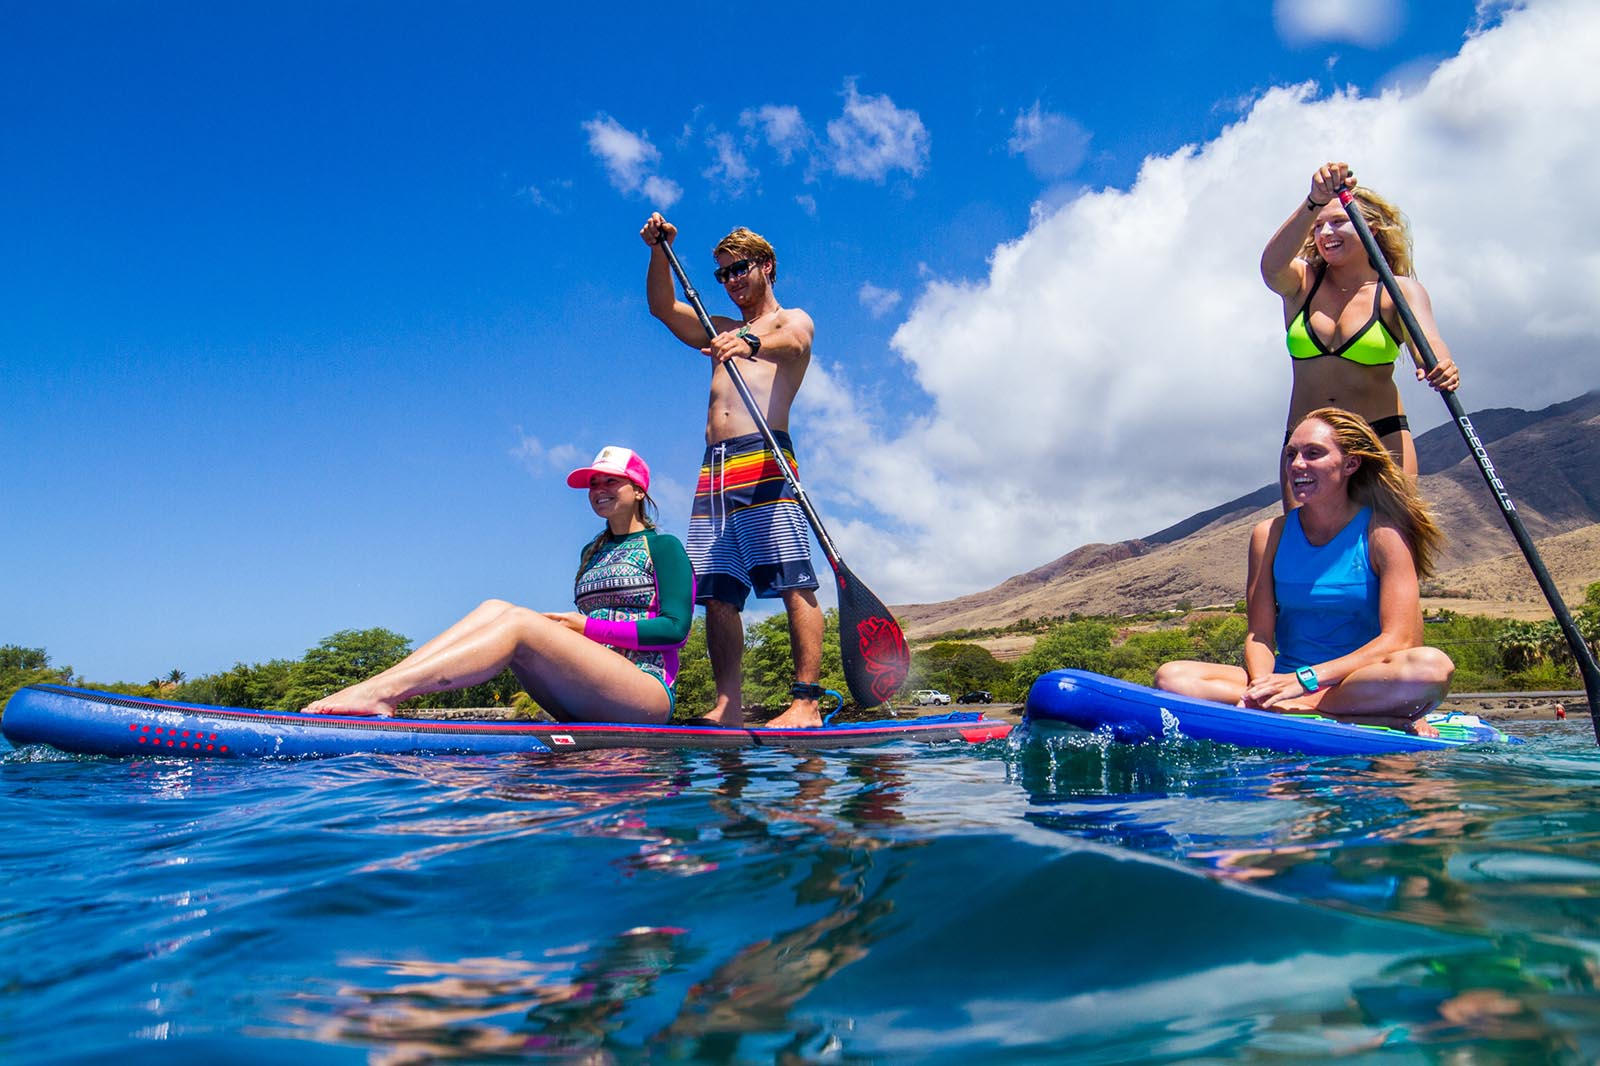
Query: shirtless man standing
point(747, 532)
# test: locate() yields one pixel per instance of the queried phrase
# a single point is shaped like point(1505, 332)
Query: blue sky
point(308, 307)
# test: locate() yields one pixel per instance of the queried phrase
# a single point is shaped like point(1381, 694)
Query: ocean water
point(1050, 899)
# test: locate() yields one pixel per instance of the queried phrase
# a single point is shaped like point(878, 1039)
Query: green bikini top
point(1372, 345)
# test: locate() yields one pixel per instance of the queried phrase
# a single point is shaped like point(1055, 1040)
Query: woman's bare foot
point(354, 700)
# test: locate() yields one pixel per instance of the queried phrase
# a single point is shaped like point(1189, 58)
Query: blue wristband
point(1308, 678)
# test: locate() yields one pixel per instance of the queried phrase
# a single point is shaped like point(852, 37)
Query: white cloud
point(782, 127)
point(808, 204)
point(1122, 365)
point(540, 460)
point(729, 167)
point(1366, 23)
point(551, 197)
point(1052, 145)
point(630, 161)
point(873, 137)
point(878, 302)
point(661, 192)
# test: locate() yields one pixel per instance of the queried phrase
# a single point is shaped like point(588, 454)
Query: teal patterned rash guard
point(638, 594)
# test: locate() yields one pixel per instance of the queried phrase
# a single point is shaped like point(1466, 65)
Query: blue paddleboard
point(1135, 714)
point(101, 723)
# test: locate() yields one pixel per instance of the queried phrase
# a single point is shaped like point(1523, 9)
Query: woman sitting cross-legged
point(1334, 610)
point(616, 661)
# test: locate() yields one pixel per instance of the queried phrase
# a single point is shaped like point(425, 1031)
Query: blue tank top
point(1327, 596)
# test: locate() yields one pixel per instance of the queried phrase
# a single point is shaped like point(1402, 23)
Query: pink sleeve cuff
point(612, 632)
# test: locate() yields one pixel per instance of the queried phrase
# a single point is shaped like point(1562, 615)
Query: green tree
point(344, 658)
point(20, 667)
point(260, 686)
point(1588, 618)
point(696, 691)
point(956, 667)
point(1136, 658)
point(1520, 645)
point(1081, 645)
point(1472, 642)
point(1218, 638)
point(769, 666)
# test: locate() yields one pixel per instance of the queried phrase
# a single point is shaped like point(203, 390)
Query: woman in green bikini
point(613, 660)
point(1344, 333)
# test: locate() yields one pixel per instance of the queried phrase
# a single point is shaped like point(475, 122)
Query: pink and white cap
point(623, 462)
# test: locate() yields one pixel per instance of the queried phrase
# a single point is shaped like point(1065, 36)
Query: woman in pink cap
point(613, 660)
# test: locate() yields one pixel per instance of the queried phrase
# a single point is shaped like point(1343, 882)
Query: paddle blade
point(871, 644)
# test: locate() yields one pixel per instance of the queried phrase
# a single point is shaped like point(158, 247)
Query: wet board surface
point(86, 722)
point(1135, 714)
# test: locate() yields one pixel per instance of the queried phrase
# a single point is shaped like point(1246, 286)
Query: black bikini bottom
point(1393, 424)
point(1381, 428)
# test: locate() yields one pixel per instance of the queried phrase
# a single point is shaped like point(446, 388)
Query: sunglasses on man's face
point(736, 269)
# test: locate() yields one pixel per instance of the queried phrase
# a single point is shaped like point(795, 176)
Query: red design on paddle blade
point(884, 651)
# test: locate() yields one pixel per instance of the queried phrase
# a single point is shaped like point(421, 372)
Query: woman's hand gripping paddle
point(871, 643)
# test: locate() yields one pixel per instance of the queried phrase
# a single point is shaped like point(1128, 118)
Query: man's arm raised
point(662, 291)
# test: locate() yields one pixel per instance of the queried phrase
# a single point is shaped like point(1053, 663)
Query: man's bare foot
point(802, 714)
point(713, 719)
point(726, 713)
point(1421, 727)
point(351, 701)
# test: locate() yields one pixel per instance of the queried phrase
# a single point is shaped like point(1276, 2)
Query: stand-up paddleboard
point(100, 723)
point(1135, 713)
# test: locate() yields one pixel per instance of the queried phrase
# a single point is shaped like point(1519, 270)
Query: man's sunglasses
point(736, 269)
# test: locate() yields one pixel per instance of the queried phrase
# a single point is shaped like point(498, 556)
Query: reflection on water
point(1053, 899)
point(1495, 846)
point(573, 1001)
point(567, 1005)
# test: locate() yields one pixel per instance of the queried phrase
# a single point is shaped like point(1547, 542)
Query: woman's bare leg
point(562, 669)
point(350, 699)
point(1216, 682)
point(474, 619)
point(1398, 689)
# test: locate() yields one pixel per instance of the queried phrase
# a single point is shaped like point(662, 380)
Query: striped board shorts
point(747, 532)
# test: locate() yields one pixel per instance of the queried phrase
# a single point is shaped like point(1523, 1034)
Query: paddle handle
point(1587, 667)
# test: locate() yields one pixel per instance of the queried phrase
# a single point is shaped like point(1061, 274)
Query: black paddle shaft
point(877, 660)
point(1508, 509)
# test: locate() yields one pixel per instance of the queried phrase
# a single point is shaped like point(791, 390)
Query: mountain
point(1549, 461)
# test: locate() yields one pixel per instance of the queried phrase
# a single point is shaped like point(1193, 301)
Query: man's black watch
point(752, 340)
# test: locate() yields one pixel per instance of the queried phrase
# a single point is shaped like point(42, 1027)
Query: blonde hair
point(645, 509)
point(748, 244)
point(1389, 227)
point(1380, 484)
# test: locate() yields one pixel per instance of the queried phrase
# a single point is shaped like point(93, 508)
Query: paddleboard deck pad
point(1135, 714)
point(86, 722)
